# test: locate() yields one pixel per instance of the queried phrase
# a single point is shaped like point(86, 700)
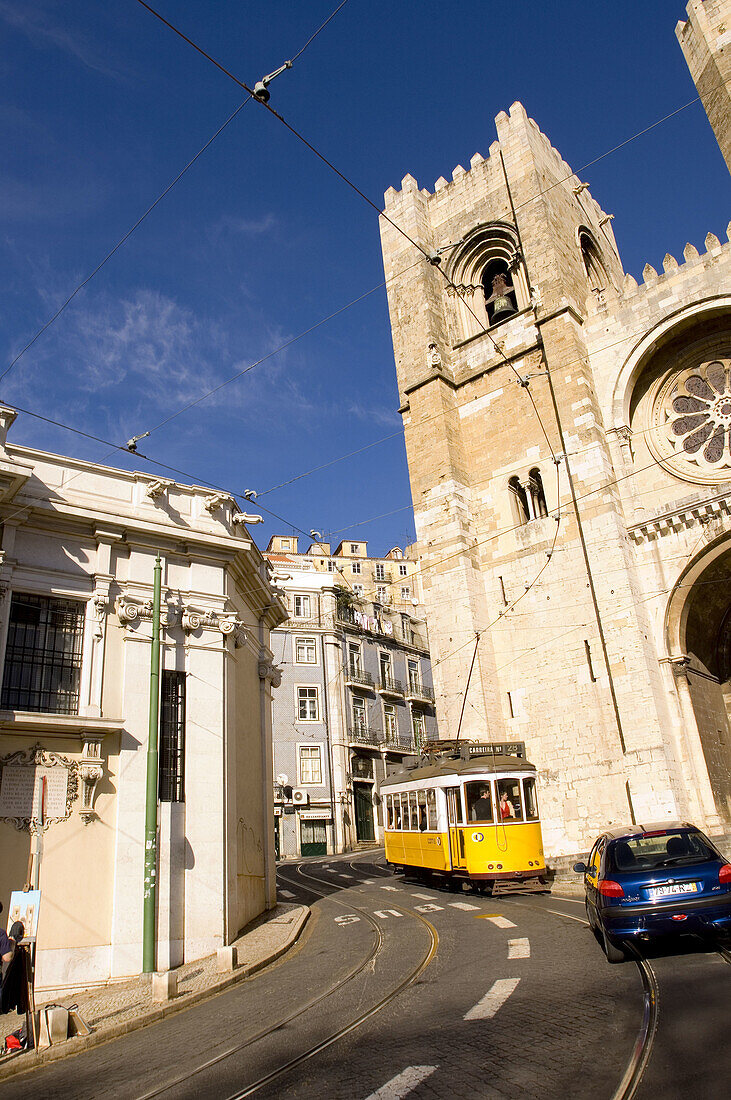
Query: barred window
point(172, 738)
point(43, 654)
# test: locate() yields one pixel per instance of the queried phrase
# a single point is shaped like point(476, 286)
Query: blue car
point(644, 881)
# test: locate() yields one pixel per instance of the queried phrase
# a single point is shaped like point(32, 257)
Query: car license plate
point(670, 891)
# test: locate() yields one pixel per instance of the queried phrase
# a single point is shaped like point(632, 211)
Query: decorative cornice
point(713, 515)
point(213, 503)
point(158, 488)
point(270, 673)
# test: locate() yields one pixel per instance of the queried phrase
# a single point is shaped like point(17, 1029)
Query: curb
point(35, 1058)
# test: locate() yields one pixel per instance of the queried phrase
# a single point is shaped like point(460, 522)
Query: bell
point(501, 304)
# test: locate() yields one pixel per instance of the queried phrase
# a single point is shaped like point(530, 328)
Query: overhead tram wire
point(156, 202)
point(354, 187)
point(556, 513)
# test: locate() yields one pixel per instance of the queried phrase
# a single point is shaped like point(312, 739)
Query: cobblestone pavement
point(517, 1001)
point(120, 1006)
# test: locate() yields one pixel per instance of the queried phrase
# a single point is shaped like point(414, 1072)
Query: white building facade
point(78, 550)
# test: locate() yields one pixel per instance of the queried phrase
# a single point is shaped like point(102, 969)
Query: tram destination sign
point(497, 748)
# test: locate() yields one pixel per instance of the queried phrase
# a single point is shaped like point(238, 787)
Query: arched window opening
point(497, 283)
point(596, 273)
point(538, 497)
point(520, 500)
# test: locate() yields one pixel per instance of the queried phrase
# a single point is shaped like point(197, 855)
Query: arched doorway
point(703, 622)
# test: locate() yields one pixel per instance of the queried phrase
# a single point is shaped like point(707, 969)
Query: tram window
point(414, 811)
point(397, 811)
point(405, 823)
point(454, 806)
point(389, 811)
point(531, 802)
point(479, 802)
point(509, 804)
point(431, 806)
point(421, 798)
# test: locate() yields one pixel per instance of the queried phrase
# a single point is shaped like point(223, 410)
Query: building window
point(381, 593)
point(310, 765)
point(384, 663)
point(356, 567)
point(308, 704)
point(389, 721)
point(358, 590)
point(354, 657)
point(596, 272)
point(359, 713)
point(355, 548)
point(418, 725)
point(302, 607)
point(412, 668)
point(43, 654)
point(403, 569)
point(286, 544)
point(380, 571)
point(305, 651)
point(537, 495)
point(519, 499)
point(172, 738)
point(331, 566)
point(405, 592)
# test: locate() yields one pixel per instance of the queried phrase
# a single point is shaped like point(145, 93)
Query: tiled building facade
point(356, 696)
point(569, 443)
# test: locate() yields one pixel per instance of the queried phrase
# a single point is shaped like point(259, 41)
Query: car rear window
point(670, 849)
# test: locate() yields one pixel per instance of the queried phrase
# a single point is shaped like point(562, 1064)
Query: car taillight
point(610, 889)
point(724, 875)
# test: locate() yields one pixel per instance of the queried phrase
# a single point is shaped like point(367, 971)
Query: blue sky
point(102, 106)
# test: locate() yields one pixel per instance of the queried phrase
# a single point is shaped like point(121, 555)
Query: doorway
point(362, 793)
point(313, 837)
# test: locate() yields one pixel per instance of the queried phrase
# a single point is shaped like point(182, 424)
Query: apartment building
point(356, 695)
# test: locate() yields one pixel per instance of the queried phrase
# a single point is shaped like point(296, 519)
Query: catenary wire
point(152, 205)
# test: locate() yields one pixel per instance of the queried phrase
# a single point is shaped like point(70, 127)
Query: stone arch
point(651, 342)
point(698, 645)
point(597, 274)
point(488, 245)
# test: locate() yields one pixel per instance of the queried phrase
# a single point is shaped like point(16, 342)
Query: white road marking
point(385, 913)
point(493, 1000)
point(429, 908)
point(463, 905)
point(403, 1083)
point(519, 949)
point(346, 876)
point(368, 882)
point(426, 897)
point(286, 893)
point(389, 888)
point(501, 922)
point(347, 918)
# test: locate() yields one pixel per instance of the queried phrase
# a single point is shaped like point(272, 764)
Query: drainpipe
point(326, 716)
point(266, 787)
point(149, 904)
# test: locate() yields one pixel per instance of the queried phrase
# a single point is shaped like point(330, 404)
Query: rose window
point(693, 409)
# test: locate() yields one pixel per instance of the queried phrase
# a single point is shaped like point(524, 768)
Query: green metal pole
point(149, 910)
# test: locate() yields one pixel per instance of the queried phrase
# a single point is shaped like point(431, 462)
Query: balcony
point(390, 687)
point(364, 735)
point(419, 693)
point(400, 742)
point(357, 678)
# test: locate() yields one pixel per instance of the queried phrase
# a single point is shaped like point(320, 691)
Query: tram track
point(368, 961)
point(642, 1050)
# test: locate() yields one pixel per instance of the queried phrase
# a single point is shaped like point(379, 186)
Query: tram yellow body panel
point(430, 850)
point(517, 846)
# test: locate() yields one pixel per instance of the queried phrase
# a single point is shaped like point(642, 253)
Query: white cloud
point(36, 22)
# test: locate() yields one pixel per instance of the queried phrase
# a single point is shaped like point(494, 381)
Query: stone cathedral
point(568, 434)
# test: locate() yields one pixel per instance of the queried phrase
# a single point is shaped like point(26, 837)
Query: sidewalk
point(121, 1007)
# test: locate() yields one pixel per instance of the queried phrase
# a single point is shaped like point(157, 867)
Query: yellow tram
point(465, 813)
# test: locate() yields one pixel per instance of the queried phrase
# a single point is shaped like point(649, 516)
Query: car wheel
point(614, 953)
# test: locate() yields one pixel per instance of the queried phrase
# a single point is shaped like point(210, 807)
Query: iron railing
point(364, 735)
point(388, 686)
point(417, 690)
point(354, 675)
